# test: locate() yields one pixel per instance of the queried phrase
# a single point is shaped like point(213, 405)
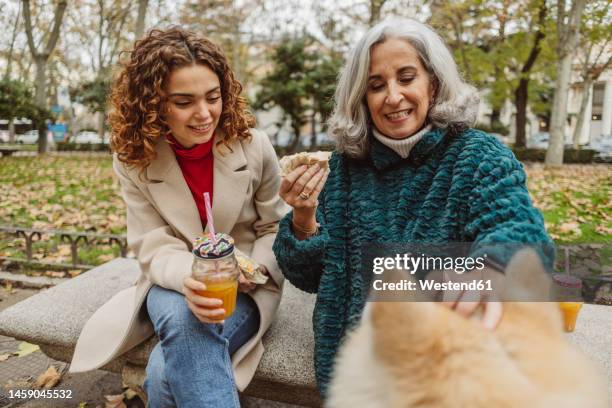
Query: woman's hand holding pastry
point(244, 285)
point(300, 189)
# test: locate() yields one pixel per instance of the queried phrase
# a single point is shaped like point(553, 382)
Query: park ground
point(81, 193)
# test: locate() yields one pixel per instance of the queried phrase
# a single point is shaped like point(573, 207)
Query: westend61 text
point(411, 264)
point(406, 285)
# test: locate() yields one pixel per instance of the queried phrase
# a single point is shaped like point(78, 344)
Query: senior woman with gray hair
point(407, 168)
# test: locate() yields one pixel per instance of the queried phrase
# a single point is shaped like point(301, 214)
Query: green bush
point(82, 147)
point(497, 127)
point(578, 156)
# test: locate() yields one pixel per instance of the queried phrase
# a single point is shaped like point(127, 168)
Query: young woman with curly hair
point(180, 129)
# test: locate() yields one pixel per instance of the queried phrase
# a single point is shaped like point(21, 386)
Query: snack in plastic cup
point(570, 314)
point(215, 265)
point(568, 293)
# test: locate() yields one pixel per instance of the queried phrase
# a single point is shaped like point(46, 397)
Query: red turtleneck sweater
point(197, 166)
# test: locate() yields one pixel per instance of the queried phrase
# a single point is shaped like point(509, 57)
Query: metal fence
point(75, 239)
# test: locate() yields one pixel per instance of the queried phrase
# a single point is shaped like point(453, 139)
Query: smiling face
point(399, 90)
point(194, 104)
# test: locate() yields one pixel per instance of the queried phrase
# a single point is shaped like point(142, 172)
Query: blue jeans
point(191, 365)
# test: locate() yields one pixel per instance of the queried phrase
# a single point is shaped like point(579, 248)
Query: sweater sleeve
point(502, 218)
point(302, 261)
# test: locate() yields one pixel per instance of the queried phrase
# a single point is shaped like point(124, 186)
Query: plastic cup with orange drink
point(215, 265)
point(568, 291)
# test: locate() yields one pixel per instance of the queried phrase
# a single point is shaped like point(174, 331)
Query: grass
point(575, 201)
point(74, 193)
point(20, 146)
point(80, 193)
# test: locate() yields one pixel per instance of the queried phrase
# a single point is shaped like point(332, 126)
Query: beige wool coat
point(162, 220)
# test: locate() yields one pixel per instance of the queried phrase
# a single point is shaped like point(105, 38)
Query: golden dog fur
point(421, 354)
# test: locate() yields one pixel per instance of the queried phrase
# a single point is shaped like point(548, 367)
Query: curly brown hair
point(137, 97)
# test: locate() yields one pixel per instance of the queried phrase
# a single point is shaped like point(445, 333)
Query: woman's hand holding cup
point(206, 310)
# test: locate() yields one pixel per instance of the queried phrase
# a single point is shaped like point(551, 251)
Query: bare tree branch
point(59, 14)
point(115, 46)
point(140, 20)
point(9, 58)
point(28, 26)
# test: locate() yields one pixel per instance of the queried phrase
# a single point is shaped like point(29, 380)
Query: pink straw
point(209, 218)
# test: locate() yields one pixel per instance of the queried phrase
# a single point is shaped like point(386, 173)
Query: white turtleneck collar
point(401, 146)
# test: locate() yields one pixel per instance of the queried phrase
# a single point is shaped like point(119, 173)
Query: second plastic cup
point(568, 292)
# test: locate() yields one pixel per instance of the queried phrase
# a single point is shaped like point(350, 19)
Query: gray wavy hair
point(455, 102)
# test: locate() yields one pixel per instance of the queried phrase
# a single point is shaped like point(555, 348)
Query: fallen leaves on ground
point(74, 193)
point(8, 287)
point(576, 200)
point(4, 357)
point(129, 394)
point(114, 401)
point(19, 383)
point(80, 193)
point(48, 379)
point(26, 348)
point(55, 274)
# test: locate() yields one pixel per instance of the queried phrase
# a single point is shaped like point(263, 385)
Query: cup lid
point(567, 281)
point(204, 247)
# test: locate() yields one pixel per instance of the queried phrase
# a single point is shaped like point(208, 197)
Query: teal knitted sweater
point(466, 187)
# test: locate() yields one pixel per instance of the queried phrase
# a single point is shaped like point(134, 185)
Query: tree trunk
point(40, 59)
point(567, 37)
point(41, 100)
point(495, 114)
point(313, 131)
point(101, 123)
point(521, 93)
point(140, 20)
point(11, 128)
point(586, 93)
point(520, 102)
point(554, 154)
point(375, 7)
point(296, 139)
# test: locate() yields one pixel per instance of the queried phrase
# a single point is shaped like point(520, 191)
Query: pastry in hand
point(290, 163)
point(251, 270)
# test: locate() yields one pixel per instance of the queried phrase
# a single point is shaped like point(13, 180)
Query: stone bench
point(53, 319)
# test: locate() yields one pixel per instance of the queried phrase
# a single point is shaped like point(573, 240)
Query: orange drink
point(570, 314)
point(226, 291)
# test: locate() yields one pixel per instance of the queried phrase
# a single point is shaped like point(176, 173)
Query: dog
point(424, 355)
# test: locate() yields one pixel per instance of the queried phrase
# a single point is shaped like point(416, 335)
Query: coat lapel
point(173, 197)
point(230, 185)
point(171, 194)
